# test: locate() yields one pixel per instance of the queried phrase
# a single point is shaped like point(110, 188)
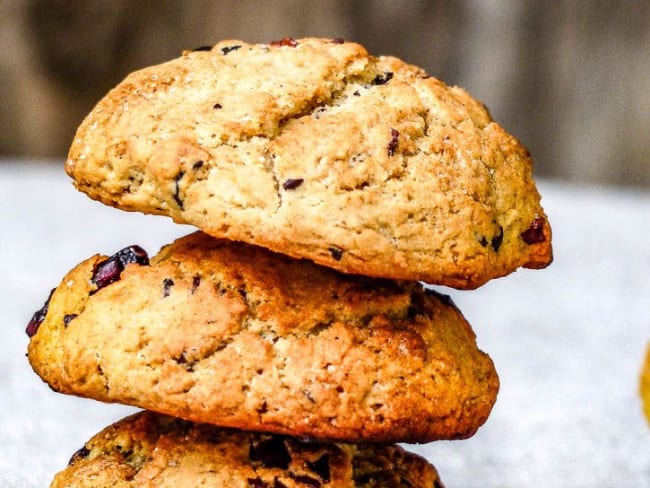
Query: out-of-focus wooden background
point(570, 78)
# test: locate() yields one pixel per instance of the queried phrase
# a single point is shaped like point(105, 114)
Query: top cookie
point(315, 149)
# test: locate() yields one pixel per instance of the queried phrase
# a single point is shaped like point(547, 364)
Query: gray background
point(571, 79)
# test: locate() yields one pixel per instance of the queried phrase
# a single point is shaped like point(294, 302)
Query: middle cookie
point(234, 335)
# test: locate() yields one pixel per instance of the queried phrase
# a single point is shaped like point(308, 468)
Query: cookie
point(315, 149)
point(231, 334)
point(151, 450)
point(644, 384)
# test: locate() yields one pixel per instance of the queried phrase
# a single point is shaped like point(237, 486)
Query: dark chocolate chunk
point(336, 253)
point(356, 93)
point(203, 48)
point(68, 318)
point(534, 233)
point(109, 270)
point(394, 141)
point(177, 190)
point(383, 78)
point(337, 40)
point(497, 240)
point(197, 165)
point(79, 454)
point(306, 480)
point(292, 183)
point(38, 317)
point(483, 241)
point(272, 453)
point(287, 41)
point(229, 49)
point(321, 467)
point(167, 285)
point(217, 106)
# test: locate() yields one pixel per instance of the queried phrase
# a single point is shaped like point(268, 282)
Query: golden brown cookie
point(235, 335)
point(644, 384)
point(316, 149)
point(151, 450)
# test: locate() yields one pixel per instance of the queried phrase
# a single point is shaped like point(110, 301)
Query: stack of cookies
point(289, 342)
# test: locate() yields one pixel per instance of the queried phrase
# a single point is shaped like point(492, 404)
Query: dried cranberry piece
point(534, 233)
point(109, 270)
point(132, 254)
point(287, 41)
point(394, 141)
point(321, 467)
point(38, 317)
point(383, 78)
point(229, 49)
point(272, 453)
point(292, 183)
point(81, 453)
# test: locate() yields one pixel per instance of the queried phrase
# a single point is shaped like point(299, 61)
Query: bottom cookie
point(153, 450)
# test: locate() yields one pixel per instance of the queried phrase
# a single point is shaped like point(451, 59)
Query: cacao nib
point(68, 318)
point(109, 270)
point(383, 78)
point(167, 285)
point(202, 48)
point(534, 233)
point(497, 240)
point(287, 41)
point(229, 49)
point(321, 467)
point(272, 453)
point(336, 253)
point(38, 317)
point(394, 141)
point(79, 454)
point(292, 183)
point(306, 480)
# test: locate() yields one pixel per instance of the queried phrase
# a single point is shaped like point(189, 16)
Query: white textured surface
point(567, 341)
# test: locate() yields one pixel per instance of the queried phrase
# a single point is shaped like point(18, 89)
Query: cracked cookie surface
point(235, 335)
point(316, 149)
point(151, 450)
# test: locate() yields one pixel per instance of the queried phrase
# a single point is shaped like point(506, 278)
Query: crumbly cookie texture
point(316, 149)
point(151, 450)
point(644, 384)
point(235, 335)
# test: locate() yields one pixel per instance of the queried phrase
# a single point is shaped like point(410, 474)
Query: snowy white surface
point(567, 341)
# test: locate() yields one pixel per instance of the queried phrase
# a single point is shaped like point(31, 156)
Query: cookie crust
point(235, 335)
point(318, 150)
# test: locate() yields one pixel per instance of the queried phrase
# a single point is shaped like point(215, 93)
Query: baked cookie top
point(231, 334)
point(316, 149)
point(150, 450)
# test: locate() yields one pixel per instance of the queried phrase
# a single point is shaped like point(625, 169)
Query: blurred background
point(571, 78)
